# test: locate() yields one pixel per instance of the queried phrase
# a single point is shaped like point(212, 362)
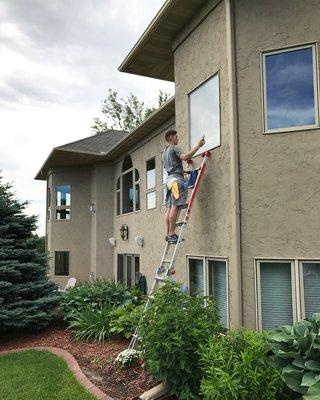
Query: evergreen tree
point(27, 297)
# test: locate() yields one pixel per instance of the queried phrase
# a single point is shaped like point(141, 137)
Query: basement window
point(61, 263)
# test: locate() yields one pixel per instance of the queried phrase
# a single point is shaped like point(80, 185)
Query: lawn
point(38, 375)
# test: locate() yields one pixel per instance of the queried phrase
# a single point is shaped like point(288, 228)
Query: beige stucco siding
point(201, 55)
point(72, 235)
point(279, 173)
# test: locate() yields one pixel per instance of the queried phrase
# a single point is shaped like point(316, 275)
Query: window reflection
point(204, 112)
point(290, 91)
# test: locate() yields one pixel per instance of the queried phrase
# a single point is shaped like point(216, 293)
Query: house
point(246, 75)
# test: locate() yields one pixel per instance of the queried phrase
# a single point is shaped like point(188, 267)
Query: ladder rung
point(180, 223)
point(151, 297)
point(160, 278)
point(167, 261)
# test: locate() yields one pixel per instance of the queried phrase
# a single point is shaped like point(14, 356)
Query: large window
point(128, 188)
point(164, 178)
point(290, 89)
point(287, 291)
point(61, 263)
point(204, 114)
point(63, 202)
point(151, 183)
point(209, 277)
point(128, 267)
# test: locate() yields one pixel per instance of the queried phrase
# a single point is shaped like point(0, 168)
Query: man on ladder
point(176, 191)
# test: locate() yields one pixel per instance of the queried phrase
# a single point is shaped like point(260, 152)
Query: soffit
point(152, 55)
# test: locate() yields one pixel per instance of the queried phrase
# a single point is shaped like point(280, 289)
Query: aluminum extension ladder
point(166, 268)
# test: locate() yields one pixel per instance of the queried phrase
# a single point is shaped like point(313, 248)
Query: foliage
point(124, 320)
point(90, 324)
point(175, 327)
point(94, 295)
point(235, 366)
point(124, 114)
point(27, 298)
point(127, 358)
point(296, 350)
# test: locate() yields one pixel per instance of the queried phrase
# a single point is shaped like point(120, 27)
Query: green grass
point(38, 375)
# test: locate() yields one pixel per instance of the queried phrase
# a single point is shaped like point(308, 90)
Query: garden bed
point(96, 360)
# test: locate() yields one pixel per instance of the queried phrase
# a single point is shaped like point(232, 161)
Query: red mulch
point(95, 360)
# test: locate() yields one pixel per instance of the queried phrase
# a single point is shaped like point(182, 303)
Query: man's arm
point(186, 156)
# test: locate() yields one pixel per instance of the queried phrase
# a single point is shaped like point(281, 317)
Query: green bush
point(172, 331)
point(89, 324)
point(124, 320)
point(235, 366)
point(96, 295)
point(296, 350)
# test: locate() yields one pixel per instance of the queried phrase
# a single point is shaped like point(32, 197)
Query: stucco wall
point(72, 235)
point(279, 173)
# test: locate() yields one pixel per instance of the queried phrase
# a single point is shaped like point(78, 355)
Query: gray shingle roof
point(96, 144)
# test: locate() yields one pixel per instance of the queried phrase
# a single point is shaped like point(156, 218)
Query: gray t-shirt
point(171, 161)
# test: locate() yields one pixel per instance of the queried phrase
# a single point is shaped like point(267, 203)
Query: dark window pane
point(49, 197)
point(127, 163)
point(63, 195)
point(196, 279)
point(127, 193)
point(118, 203)
point(120, 274)
point(204, 111)
point(63, 214)
point(218, 288)
point(137, 196)
point(290, 89)
point(151, 173)
point(61, 263)
point(311, 285)
point(137, 176)
point(129, 270)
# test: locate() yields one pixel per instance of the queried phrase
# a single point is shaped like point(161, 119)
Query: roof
point(106, 146)
point(152, 55)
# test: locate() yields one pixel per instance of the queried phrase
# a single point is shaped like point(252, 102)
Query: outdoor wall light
point(124, 232)
point(139, 240)
point(112, 241)
point(92, 208)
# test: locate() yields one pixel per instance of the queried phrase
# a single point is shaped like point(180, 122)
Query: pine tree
point(27, 297)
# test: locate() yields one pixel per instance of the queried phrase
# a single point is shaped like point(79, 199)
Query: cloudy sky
point(57, 60)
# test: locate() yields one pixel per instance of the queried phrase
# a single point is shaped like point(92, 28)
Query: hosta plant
point(296, 349)
point(124, 320)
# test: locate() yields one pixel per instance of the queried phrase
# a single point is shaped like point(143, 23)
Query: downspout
point(236, 282)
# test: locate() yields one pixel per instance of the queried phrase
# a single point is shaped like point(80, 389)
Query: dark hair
point(169, 134)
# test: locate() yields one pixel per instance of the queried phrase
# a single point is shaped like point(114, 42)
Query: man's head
point(171, 137)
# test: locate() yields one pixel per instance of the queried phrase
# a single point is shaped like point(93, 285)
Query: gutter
point(236, 288)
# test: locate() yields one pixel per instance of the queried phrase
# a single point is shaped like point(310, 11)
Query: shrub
point(96, 295)
point(296, 350)
point(235, 366)
point(90, 324)
point(124, 320)
point(172, 330)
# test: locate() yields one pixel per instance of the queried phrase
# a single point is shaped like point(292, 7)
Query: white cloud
point(58, 59)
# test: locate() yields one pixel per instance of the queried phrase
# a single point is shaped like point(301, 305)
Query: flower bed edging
point(72, 364)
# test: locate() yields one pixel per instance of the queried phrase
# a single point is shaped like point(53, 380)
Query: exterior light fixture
point(139, 240)
point(92, 208)
point(112, 241)
point(124, 232)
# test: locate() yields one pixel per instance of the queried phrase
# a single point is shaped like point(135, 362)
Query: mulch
point(96, 360)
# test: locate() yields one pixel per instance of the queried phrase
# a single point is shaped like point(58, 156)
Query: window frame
point(125, 257)
point(151, 189)
point(205, 260)
point(315, 51)
point(135, 182)
point(59, 208)
point(218, 74)
point(54, 265)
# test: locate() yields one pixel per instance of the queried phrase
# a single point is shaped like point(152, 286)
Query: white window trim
point(205, 259)
point(263, 55)
point(216, 73)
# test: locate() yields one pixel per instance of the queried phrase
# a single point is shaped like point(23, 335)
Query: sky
point(57, 60)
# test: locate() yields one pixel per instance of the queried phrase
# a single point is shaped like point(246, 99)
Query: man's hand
point(201, 142)
point(190, 153)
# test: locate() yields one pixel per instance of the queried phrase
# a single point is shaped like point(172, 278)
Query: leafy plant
point(235, 366)
point(296, 350)
point(89, 324)
point(124, 320)
point(94, 295)
point(172, 331)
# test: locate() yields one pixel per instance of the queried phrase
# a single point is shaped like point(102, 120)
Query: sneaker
point(172, 238)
